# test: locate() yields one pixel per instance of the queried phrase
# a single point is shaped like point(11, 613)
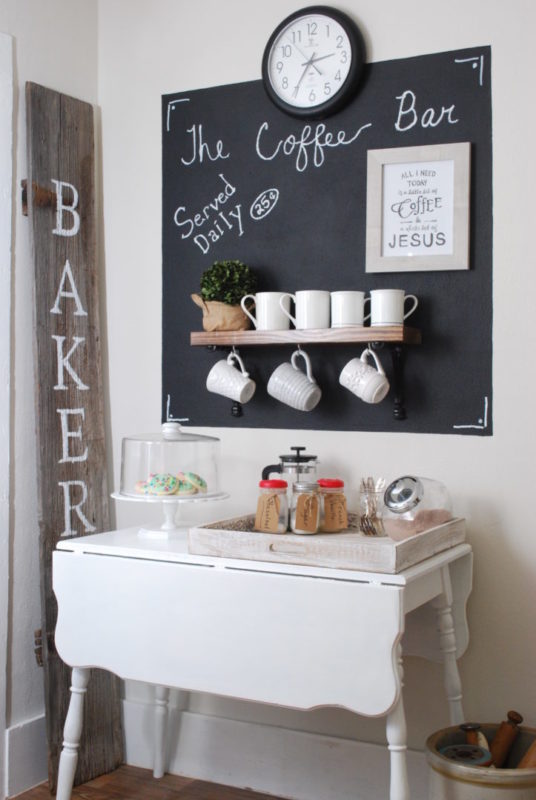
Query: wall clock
point(313, 62)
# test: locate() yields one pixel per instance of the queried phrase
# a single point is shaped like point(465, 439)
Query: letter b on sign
point(59, 230)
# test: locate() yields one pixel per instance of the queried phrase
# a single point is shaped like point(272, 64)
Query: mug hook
point(370, 352)
point(235, 356)
point(308, 371)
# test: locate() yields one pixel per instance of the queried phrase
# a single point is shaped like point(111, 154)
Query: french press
point(294, 466)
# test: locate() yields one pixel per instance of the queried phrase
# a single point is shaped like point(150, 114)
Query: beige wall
point(148, 49)
point(6, 169)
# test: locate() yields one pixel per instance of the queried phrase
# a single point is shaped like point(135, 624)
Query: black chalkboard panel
point(224, 146)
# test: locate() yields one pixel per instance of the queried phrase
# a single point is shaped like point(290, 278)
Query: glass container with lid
point(305, 507)
point(272, 507)
point(294, 466)
point(413, 505)
point(172, 465)
point(333, 511)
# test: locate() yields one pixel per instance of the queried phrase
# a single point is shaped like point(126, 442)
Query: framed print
point(418, 208)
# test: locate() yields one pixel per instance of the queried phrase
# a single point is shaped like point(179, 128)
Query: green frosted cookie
point(199, 484)
point(162, 483)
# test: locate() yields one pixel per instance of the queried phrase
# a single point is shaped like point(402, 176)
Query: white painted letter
point(202, 242)
point(63, 363)
point(401, 111)
point(59, 230)
point(68, 507)
point(66, 434)
point(264, 127)
point(67, 273)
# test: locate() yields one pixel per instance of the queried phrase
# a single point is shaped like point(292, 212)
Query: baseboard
point(289, 763)
point(26, 756)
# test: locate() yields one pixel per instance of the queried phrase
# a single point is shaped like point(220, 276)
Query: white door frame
point(6, 184)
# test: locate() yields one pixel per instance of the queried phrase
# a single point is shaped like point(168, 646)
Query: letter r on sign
point(69, 506)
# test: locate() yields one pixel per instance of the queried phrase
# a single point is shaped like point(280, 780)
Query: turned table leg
point(447, 644)
point(160, 726)
point(71, 733)
point(397, 743)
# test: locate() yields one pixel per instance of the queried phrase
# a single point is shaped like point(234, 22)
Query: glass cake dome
point(172, 466)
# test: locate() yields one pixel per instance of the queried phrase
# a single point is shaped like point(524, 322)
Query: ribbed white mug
point(295, 388)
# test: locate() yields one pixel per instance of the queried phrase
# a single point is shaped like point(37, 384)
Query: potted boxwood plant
point(222, 287)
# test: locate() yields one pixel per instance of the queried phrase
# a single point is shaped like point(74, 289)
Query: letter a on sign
point(73, 488)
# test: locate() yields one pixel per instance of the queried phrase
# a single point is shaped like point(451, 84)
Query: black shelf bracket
point(398, 356)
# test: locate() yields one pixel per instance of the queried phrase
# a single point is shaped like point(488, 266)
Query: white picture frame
point(418, 208)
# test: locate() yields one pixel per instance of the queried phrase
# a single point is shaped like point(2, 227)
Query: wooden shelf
point(389, 333)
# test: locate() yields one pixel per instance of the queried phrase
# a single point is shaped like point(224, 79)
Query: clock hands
point(302, 54)
point(312, 61)
point(306, 65)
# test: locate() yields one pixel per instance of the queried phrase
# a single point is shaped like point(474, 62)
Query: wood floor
point(132, 783)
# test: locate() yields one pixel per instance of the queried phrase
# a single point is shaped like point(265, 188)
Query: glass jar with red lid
point(272, 507)
point(333, 511)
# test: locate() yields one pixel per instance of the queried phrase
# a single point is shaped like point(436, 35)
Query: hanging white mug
point(295, 388)
point(230, 382)
point(269, 315)
point(365, 381)
point(387, 306)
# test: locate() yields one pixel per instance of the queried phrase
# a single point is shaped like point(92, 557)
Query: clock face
point(313, 61)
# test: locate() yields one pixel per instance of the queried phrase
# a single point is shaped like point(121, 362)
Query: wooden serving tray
point(235, 538)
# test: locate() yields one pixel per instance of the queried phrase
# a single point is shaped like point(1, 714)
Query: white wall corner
point(6, 172)
point(26, 755)
point(281, 761)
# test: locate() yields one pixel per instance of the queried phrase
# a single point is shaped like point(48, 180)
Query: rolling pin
point(529, 759)
point(474, 735)
point(505, 738)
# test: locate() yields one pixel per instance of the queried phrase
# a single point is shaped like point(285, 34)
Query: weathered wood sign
point(72, 480)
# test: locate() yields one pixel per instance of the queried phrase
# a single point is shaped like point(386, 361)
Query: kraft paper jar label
point(267, 516)
point(335, 513)
point(306, 513)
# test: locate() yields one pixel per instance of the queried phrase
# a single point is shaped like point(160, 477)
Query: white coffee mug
point(312, 308)
point(290, 385)
point(367, 382)
point(348, 308)
point(387, 306)
point(230, 382)
point(269, 315)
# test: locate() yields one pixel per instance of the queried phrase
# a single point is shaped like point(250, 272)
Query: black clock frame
point(352, 81)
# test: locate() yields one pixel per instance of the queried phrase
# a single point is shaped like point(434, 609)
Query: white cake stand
point(170, 508)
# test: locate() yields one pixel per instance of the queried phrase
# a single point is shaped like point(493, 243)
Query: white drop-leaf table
point(290, 635)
